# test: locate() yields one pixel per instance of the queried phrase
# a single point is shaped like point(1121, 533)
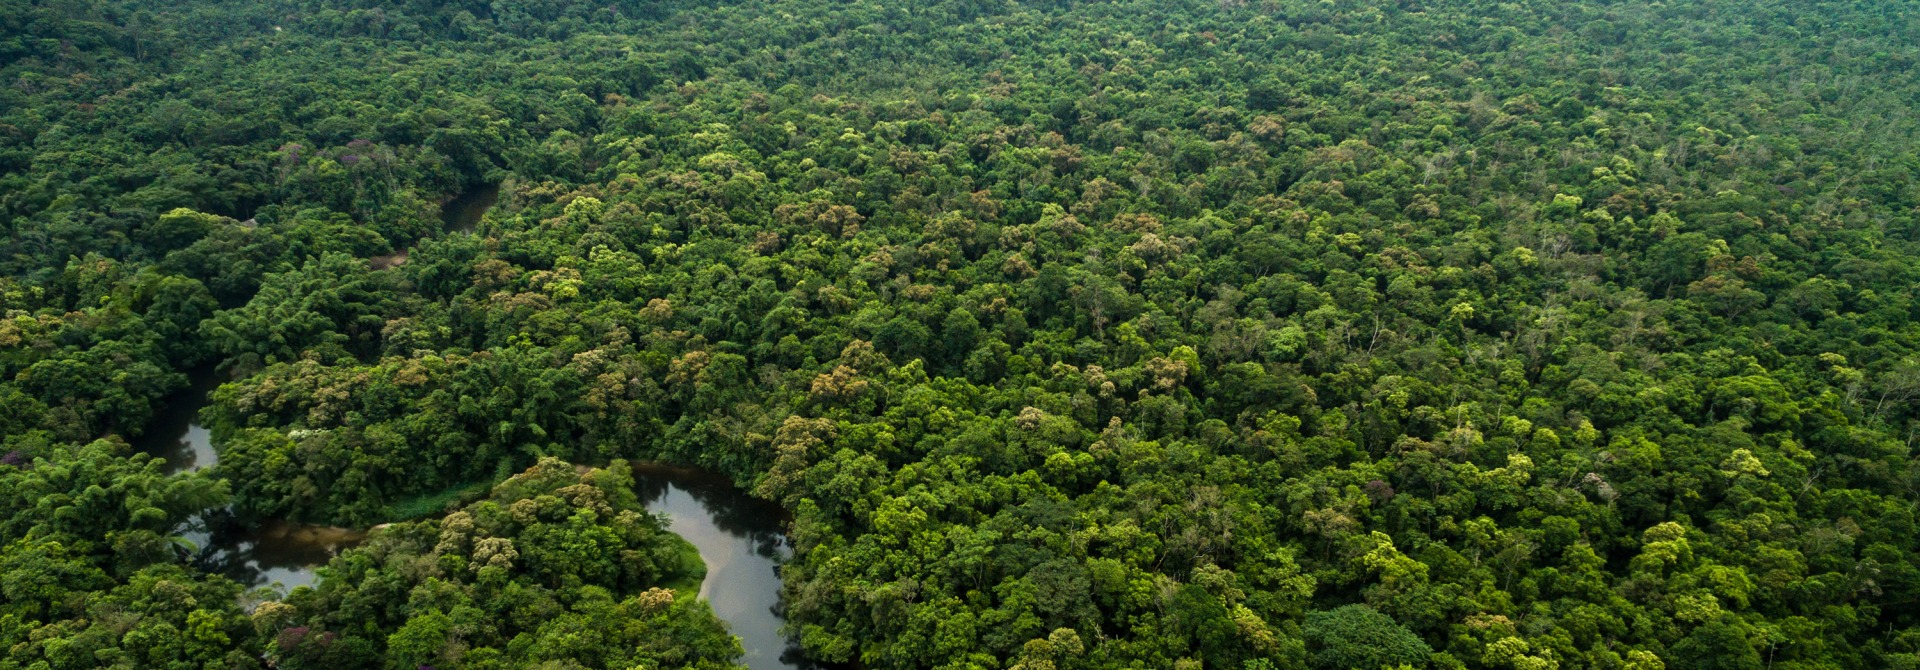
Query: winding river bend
point(742, 539)
point(258, 555)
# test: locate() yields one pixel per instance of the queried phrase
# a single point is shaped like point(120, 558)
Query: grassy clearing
point(434, 504)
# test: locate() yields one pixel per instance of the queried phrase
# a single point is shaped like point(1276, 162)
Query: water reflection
point(743, 540)
point(464, 211)
point(274, 552)
point(175, 434)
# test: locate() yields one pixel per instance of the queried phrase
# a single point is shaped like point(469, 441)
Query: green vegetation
point(1356, 636)
point(553, 567)
point(436, 502)
point(691, 569)
point(1224, 334)
point(430, 504)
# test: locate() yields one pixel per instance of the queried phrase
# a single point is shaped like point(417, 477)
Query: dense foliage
point(1274, 334)
point(553, 566)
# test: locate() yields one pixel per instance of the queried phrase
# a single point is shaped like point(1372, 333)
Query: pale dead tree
point(1899, 386)
point(1435, 166)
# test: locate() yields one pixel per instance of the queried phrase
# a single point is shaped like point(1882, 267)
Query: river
point(741, 538)
point(461, 213)
point(255, 555)
point(275, 552)
point(464, 211)
point(743, 541)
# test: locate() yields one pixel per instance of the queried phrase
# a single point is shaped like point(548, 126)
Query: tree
point(333, 306)
point(1357, 636)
